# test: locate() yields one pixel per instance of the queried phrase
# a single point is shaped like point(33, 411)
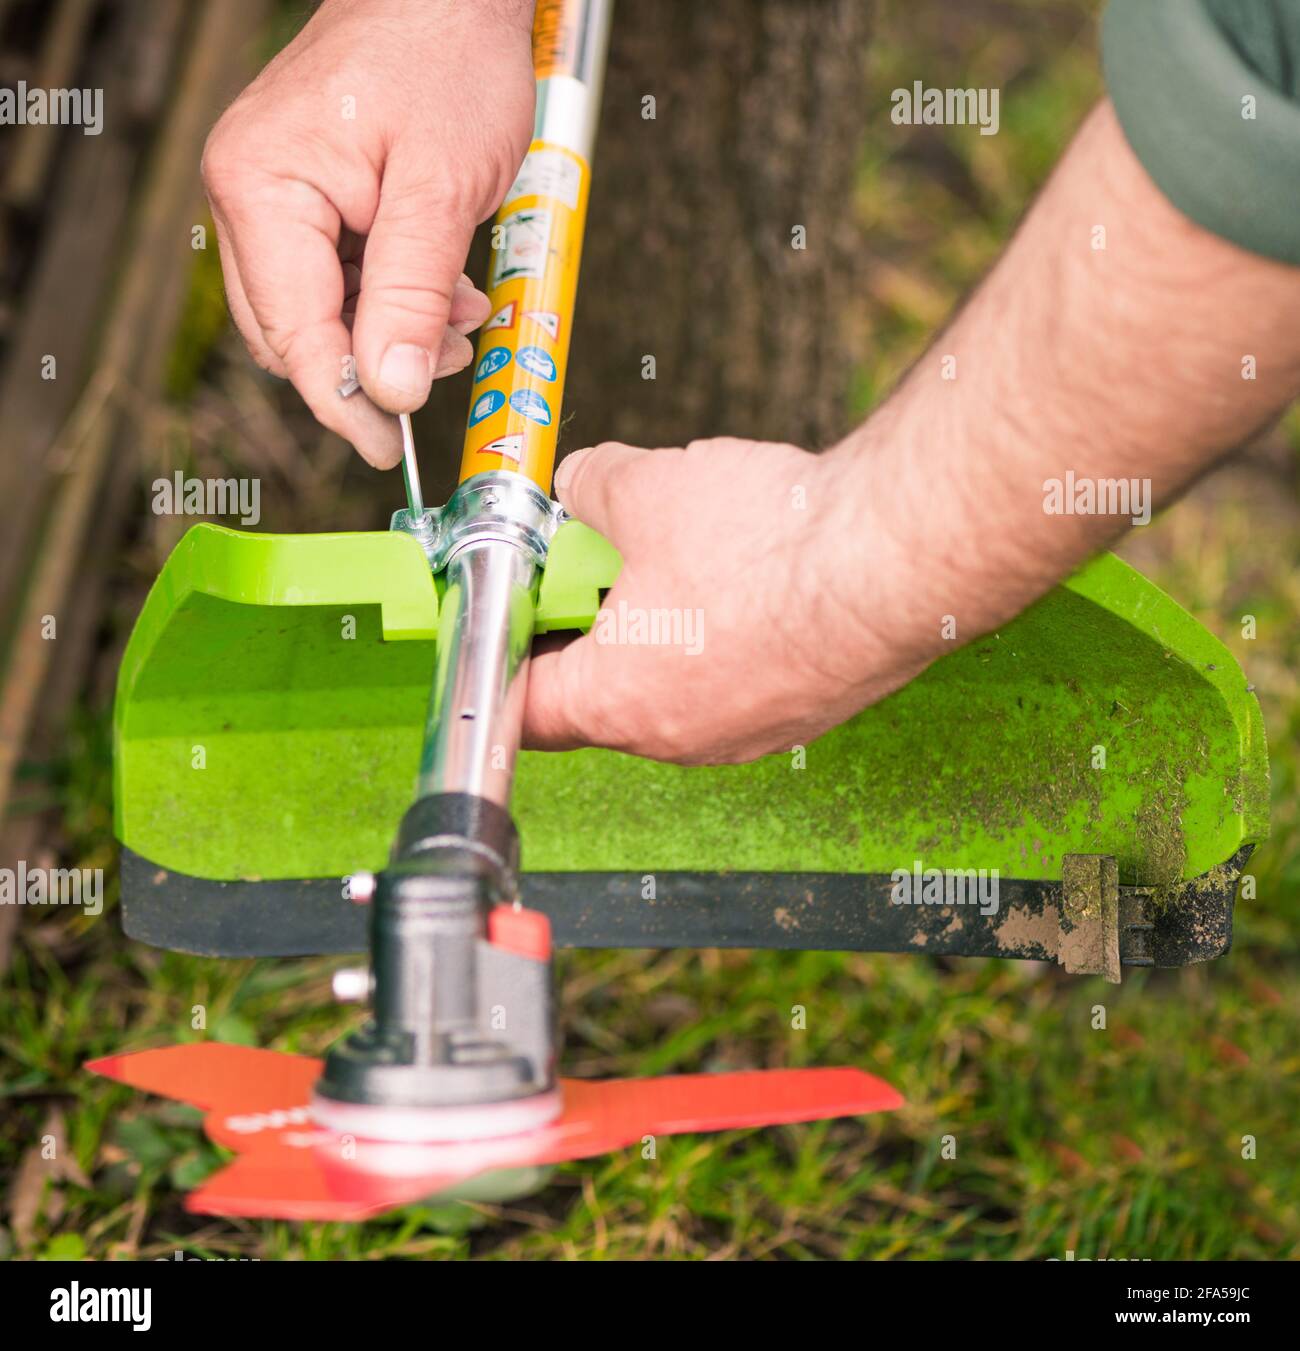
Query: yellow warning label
point(523, 349)
point(555, 38)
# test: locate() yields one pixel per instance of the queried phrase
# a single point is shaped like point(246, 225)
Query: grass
point(1030, 1131)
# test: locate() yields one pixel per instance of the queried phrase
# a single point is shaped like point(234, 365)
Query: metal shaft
point(523, 347)
point(477, 705)
point(432, 1044)
point(476, 712)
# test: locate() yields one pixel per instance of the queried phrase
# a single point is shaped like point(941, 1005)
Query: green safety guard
point(272, 701)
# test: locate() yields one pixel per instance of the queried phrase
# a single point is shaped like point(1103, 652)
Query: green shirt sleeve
point(1208, 94)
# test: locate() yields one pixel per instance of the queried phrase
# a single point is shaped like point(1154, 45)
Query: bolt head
point(351, 985)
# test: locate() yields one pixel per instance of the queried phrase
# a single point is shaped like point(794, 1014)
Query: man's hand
point(355, 169)
point(739, 624)
point(1140, 362)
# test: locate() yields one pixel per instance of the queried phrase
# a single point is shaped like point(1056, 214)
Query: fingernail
point(565, 470)
point(406, 367)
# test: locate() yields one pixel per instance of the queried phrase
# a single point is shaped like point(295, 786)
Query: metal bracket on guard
point(488, 506)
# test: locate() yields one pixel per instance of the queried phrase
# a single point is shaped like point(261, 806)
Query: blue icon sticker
point(495, 360)
point(485, 406)
point(531, 404)
point(537, 361)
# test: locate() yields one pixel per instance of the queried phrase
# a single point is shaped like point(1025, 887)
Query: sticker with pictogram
point(546, 319)
point(536, 361)
point(485, 405)
point(525, 237)
point(503, 318)
point(530, 404)
point(492, 361)
point(508, 447)
point(548, 173)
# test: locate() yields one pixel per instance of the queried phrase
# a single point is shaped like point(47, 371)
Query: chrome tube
point(477, 708)
point(568, 103)
point(494, 535)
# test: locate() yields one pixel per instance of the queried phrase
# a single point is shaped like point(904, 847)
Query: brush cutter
point(1085, 786)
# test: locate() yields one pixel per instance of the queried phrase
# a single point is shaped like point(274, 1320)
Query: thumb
point(414, 254)
point(587, 484)
point(565, 683)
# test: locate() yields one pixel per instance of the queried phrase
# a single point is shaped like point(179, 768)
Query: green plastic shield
point(272, 701)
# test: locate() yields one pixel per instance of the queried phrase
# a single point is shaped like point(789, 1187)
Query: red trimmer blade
point(286, 1167)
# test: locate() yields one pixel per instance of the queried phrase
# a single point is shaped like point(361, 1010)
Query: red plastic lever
point(526, 933)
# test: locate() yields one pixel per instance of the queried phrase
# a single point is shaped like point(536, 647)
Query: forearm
point(1125, 361)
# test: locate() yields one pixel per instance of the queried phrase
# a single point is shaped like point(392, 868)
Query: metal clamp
point(497, 505)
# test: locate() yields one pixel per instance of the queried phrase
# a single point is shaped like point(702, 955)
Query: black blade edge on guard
point(851, 912)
